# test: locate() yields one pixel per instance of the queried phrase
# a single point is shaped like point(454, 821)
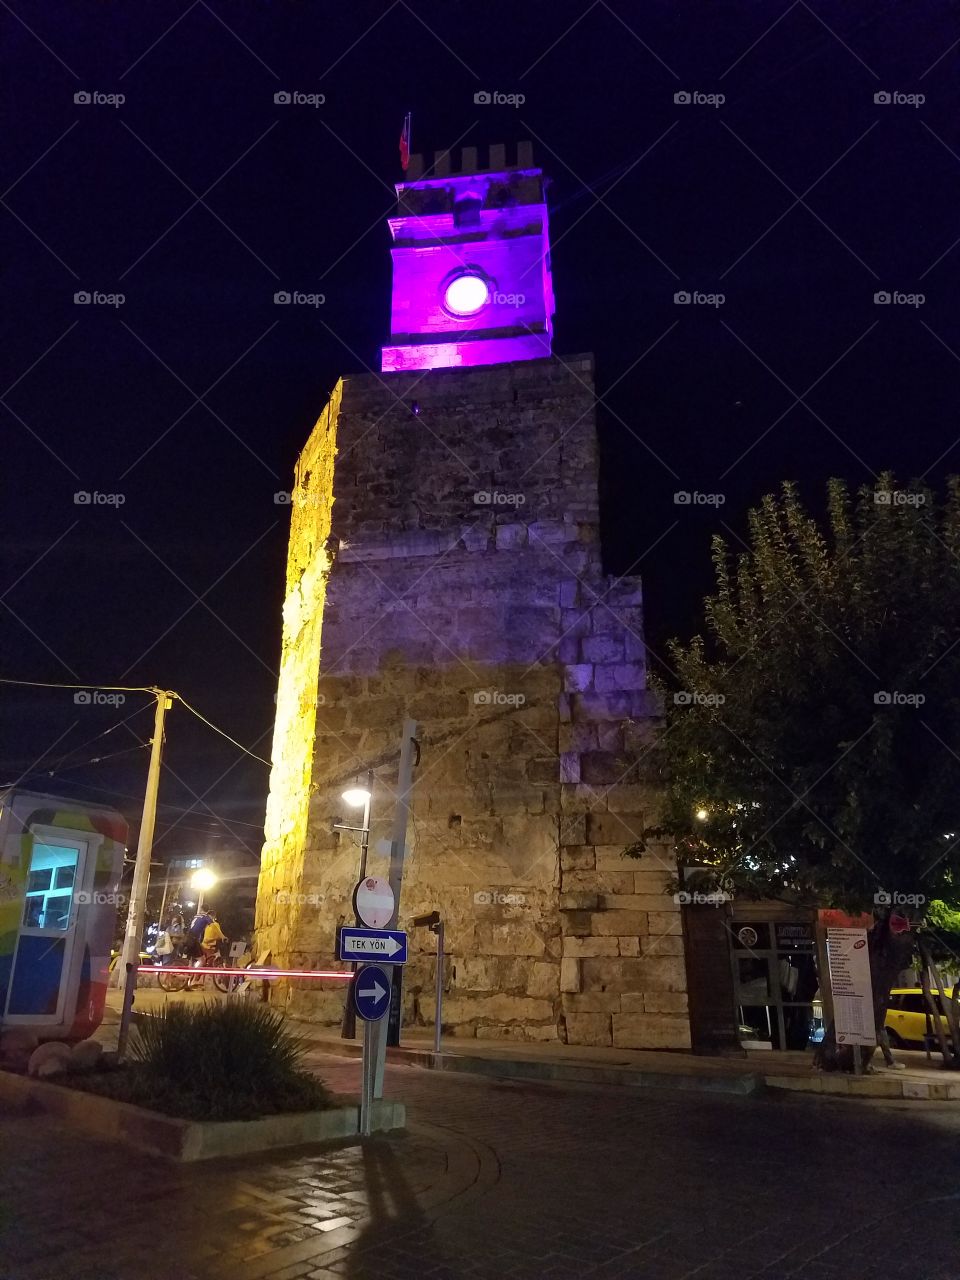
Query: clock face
point(466, 294)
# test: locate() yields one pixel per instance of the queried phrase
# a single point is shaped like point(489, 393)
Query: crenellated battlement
point(468, 161)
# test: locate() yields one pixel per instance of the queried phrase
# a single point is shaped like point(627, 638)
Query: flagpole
point(405, 137)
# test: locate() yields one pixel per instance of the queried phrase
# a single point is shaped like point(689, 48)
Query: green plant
point(813, 737)
point(218, 1062)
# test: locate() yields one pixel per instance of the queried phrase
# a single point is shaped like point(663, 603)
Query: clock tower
point(471, 263)
point(445, 564)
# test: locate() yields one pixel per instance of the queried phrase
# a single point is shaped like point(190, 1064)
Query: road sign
point(385, 945)
point(373, 902)
point(371, 993)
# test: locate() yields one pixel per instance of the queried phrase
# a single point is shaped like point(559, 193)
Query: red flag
point(405, 143)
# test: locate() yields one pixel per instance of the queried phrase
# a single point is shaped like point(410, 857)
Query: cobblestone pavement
point(504, 1180)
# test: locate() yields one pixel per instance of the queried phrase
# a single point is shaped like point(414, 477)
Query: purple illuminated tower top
point(471, 263)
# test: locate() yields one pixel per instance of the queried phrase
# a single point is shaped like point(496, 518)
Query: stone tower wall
point(489, 620)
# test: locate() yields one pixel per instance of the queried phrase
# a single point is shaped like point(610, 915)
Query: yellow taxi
point(906, 1020)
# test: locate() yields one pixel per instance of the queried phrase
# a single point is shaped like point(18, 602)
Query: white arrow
point(376, 991)
point(373, 946)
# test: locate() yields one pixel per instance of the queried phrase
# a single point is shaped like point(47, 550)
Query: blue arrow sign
point(371, 993)
point(384, 945)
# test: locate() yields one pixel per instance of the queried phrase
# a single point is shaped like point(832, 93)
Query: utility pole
point(130, 951)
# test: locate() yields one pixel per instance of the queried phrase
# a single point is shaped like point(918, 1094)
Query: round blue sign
point(371, 993)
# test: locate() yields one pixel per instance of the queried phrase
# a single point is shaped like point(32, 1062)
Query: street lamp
point(357, 797)
point(202, 880)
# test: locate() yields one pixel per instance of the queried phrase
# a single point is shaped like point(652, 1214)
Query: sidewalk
point(636, 1068)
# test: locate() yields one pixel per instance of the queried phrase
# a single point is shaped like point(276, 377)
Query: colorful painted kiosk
point(60, 866)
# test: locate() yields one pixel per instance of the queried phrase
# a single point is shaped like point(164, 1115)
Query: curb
point(188, 1140)
point(745, 1084)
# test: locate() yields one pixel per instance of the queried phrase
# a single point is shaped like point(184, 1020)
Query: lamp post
point(356, 797)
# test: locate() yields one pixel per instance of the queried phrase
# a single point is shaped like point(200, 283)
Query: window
point(50, 878)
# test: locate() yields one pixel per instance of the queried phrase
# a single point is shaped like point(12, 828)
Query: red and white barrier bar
point(263, 975)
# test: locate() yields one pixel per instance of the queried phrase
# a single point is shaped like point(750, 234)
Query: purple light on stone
point(471, 275)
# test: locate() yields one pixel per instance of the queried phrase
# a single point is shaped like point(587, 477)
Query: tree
point(816, 729)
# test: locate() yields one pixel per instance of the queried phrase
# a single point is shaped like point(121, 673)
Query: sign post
point(398, 846)
point(848, 962)
point(371, 1000)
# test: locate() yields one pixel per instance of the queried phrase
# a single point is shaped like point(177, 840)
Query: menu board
point(848, 960)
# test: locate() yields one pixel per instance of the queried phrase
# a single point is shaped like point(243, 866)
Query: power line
point(73, 750)
point(212, 726)
point(50, 684)
point(51, 773)
point(125, 795)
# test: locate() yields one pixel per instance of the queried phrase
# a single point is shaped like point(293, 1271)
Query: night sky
point(798, 198)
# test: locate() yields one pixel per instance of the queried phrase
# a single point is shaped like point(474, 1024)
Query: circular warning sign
point(373, 902)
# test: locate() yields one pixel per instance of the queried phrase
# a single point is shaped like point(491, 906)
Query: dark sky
point(798, 198)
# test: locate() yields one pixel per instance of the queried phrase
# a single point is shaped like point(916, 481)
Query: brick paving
point(498, 1179)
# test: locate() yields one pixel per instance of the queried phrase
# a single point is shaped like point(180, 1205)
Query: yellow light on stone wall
point(702, 815)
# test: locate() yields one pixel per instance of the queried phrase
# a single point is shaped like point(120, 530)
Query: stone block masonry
point(445, 563)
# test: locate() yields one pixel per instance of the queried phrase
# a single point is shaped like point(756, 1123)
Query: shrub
point(231, 1061)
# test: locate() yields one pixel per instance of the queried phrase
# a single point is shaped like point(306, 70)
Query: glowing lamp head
point(466, 294)
point(702, 815)
point(203, 880)
point(356, 797)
